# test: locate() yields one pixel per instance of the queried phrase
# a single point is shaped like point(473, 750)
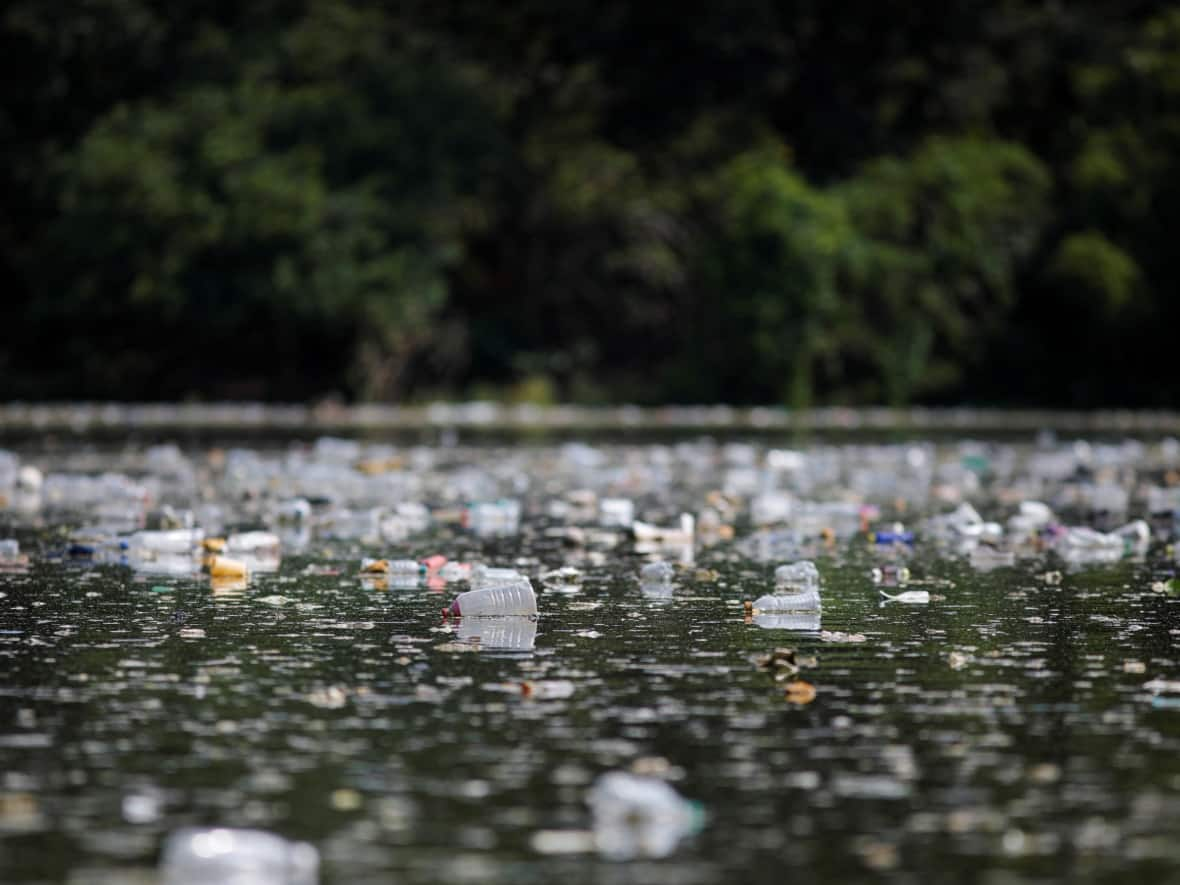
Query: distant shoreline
point(486, 419)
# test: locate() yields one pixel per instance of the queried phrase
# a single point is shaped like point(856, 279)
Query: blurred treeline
point(796, 202)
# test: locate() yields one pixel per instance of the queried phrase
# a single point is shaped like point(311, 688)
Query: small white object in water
point(639, 816)
point(913, 597)
point(195, 856)
point(807, 601)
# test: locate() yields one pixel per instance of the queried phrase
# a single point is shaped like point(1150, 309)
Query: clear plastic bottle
point(454, 571)
point(195, 856)
point(513, 598)
point(616, 512)
point(799, 575)
point(171, 541)
point(804, 601)
point(264, 544)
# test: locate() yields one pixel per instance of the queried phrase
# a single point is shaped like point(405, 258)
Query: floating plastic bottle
point(806, 600)
point(616, 512)
point(1031, 518)
point(800, 575)
point(454, 571)
point(171, 541)
point(514, 598)
point(771, 508)
point(11, 559)
point(910, 597)
point(261, 544)
point(225, 856)
point(640, 816)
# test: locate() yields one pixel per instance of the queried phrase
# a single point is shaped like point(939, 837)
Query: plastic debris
point(637, 817)
point(237, 857)
point(515, 598)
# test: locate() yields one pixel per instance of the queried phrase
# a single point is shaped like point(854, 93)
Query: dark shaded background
point(798, 202)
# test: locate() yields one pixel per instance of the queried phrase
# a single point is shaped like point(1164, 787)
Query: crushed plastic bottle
point(260, 544)
point(224, 856)
point(636, 817)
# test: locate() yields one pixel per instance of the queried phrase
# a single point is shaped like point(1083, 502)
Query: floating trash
point(638, 817)
point(237, 857)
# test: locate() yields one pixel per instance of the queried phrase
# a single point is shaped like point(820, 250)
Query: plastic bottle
point(513, 598)
point(892, 537)
point(171, 541)
point(253, 543)
point(639, 816)
point(9, 549)
point(802, 574)
point(806, 600)
point(454, 571)
point(770, 508)
point(405, 568)
point(616, 512)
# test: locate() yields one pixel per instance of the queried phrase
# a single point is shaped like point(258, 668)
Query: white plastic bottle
point(802, 575)
point(174, 541)
point(804, 601)
point(514, 598)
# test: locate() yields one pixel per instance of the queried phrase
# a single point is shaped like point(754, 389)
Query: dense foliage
point(790, 202)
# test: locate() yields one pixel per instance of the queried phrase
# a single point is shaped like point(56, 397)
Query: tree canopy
point(793, 202)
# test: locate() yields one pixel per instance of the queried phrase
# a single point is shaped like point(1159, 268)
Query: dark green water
point(1012, 730)
point(346, 716)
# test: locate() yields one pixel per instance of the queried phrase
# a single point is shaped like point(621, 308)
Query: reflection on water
point(500, 634)
point(788, 621)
